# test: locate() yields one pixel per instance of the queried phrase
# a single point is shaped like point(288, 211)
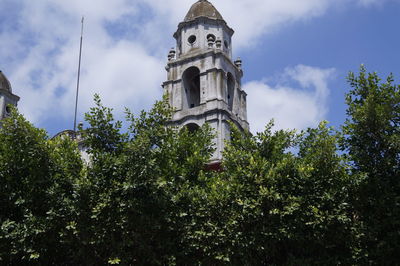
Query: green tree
point(36, 177)
point(134, 195)
point(146, 198)
point(372, 141)
point(273, 206)
point(126, 206)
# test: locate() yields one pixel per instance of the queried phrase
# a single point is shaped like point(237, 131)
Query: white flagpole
point(79, 74)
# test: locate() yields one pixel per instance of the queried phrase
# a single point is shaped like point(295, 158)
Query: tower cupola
point(203, 28)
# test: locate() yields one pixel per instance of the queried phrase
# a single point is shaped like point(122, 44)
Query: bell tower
point(6, 97)
point(203, 82)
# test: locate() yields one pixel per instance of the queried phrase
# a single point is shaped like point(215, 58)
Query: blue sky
point(343, 39)
point(296, 54)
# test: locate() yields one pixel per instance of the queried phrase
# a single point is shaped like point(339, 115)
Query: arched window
point(192, 127)
point(8, 110)
point(231, 90)
point(226, 44)
point(191, 85)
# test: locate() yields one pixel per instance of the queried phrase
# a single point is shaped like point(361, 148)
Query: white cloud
point(299, 106)
point(249, 18)
point(122, 72)
point(40, 40)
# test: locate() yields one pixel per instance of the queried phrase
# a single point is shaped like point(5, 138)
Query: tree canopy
point(322, 196)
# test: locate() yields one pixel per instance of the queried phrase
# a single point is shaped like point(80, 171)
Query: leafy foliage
point(37, 176)
point(318, 197)
point(372, 140)
point(281, 207)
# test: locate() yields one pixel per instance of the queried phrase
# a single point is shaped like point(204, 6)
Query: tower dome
point(203, 8)
point(4, 83)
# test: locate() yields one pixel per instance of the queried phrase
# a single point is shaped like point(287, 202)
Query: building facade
point(6, 97)
point(203, 82)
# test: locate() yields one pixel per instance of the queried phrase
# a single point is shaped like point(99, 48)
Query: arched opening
point(231, 90)
point(226, 44)
point(8, 110)
point(191, 84)
point(192, 127)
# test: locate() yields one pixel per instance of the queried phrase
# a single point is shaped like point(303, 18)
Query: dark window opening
point(192, 39)
point(192, 127)
point(191, 83)
point(231, 90)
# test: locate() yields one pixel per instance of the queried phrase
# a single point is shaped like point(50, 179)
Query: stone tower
point(204, 83)
point(6, 96)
